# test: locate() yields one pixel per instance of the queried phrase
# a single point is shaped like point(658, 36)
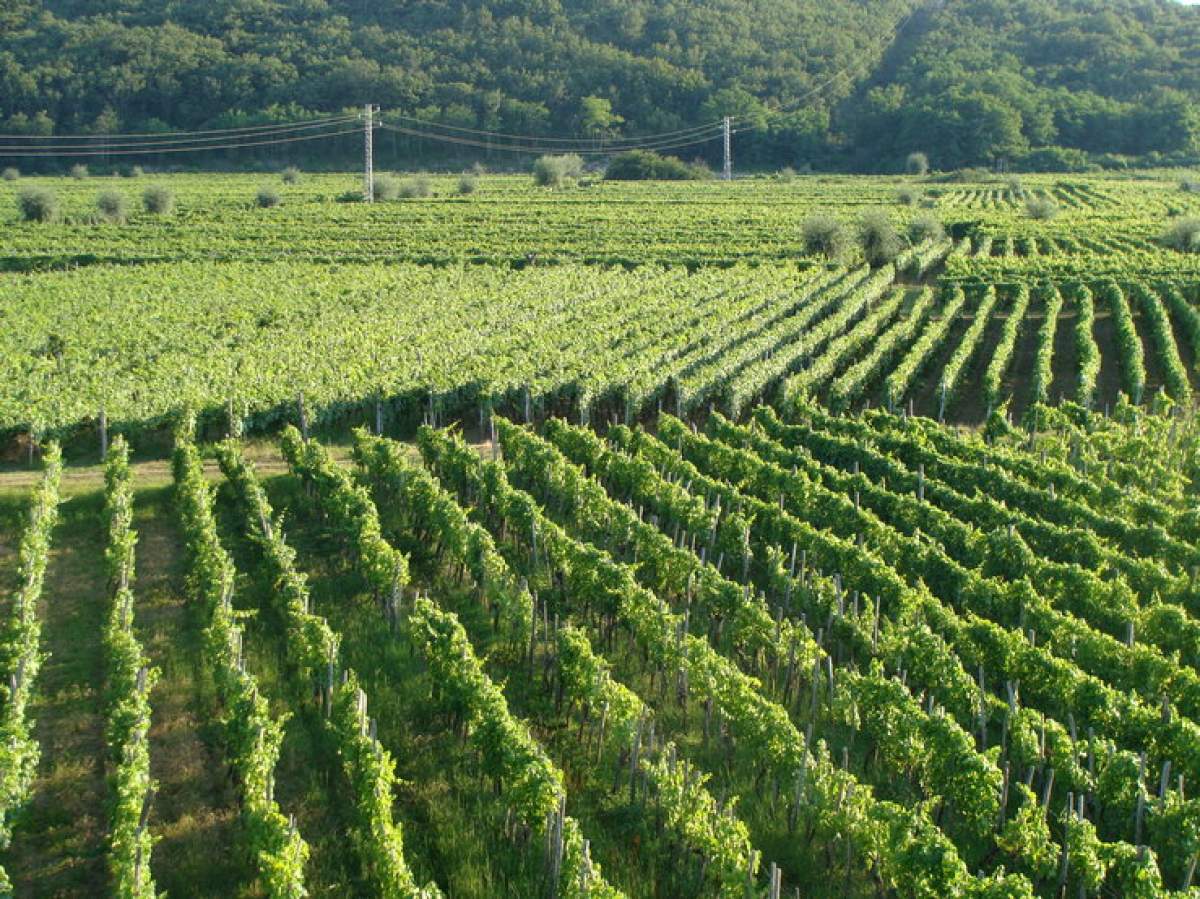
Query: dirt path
point(58, 844)
point(1108, 383)
point(1018, 379)
point(195, 810)
point(1065, 362)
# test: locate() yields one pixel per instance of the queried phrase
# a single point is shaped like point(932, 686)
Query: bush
point(132, 171)
point(1184, 235)
point(1042, 208)
point(1015, 187)
point(925, 227)
point(79, 171)
point(824, 235)
point(290, 175)
point(113, 206)
point(478, 169)
point(879, 239)
point(11, 174)
point(1187, 185)
point(467, 184)
point(267, 197)
point(557, 171)
point(1056, 159)
point(386, 187)
point(646, 165)
point(158, 200)
point(787, 174)
point(908, 196)
point(38, 204)
point(416, 188)
point(917, 164)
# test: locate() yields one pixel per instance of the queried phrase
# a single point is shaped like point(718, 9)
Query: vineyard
point(601, 543)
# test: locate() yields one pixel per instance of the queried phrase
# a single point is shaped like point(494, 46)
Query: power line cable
point(67, 153)
point(99, 141)
point(532, 139)
point(163, 134)
point(582, 151)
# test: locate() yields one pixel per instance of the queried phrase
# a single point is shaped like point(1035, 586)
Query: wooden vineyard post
point(103, 421)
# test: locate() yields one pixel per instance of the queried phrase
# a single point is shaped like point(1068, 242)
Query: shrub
point(879, 239)
point(158, 199)
point(290, 175)
point(79, 171)
point(925, 227)
point(787, 174)
point(1015, 187)
point(113, 206)
point(917, 164)
point(824, 235)
point(646, 165)
point(467, 184)
point(557, 171)
point(386, 187)
point(1042, 208)
point(1056, 159)
point(416, 188)
point(478, 169)
point(1184, 235)
point(1190, 185)
point(267, 197)
point(132, 171)
point(11, 174)
point(38, 204)
point(908, 196)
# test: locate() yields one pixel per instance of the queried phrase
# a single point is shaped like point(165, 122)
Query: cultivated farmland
point(601, 542)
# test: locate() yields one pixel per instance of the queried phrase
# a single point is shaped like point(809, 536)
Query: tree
point(878, 237)
point(824, 235)
point(596, 118)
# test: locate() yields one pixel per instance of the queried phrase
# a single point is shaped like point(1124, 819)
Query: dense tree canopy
point(840, 83)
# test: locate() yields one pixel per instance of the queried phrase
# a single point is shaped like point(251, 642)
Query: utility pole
point(727, 170)
point(368, 153)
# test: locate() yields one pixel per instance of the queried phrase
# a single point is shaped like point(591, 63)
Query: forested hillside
point(841, 83)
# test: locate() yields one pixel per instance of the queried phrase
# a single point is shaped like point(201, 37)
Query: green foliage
point(158, 199)
point(557, 171)
point(37, 204)
point(646, 165)
point(1184, 235)
point(113, 206)
point(290, 175)
point(824, 235)
point(132, 171)
point(468, 183)
point(926, 227)
point(251, 737)
point(917, 163)
point(1041, 208)
point(418, 187)
point(21, 654)
point(79, 171)
point(972, 85)
point(11, 174)
point(386, 187)
point(878, 238)
point(267, 197)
